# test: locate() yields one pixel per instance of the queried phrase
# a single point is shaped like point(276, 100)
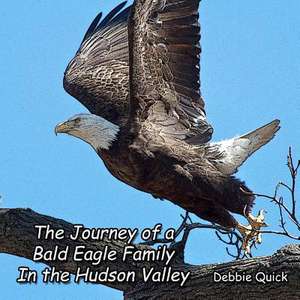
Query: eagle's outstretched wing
point(164, 43)
point(98, 74)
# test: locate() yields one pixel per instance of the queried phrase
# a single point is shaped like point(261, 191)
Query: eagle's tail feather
point(235, 151)
point(262, 135)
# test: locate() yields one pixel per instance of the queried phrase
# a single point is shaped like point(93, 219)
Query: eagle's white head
point(94, 130)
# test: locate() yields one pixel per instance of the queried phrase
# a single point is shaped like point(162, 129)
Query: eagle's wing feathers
point(98, 74)
point(164, 69)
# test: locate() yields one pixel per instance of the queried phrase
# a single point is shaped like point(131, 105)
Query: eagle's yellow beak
point(63, 127)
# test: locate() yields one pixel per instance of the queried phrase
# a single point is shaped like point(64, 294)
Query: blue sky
point(250, 75)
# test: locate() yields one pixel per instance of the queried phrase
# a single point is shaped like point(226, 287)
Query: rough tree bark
point(18, 237)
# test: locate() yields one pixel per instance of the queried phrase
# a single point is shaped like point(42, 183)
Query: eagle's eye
point(76, 121)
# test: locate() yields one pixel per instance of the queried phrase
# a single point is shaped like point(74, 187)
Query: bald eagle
point(137, 72)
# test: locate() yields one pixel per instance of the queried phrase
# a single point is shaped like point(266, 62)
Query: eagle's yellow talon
point(251, 232)
point(257, 222)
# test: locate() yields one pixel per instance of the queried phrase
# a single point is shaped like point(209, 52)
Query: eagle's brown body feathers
point(192, 182)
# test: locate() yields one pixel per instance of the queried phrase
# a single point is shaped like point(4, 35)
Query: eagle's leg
point(219, 215)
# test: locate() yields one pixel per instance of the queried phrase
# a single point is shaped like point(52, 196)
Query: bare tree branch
point(285, 211)
point(18, 237)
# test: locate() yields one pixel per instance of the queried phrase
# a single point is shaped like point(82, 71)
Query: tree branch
point(19, 237)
